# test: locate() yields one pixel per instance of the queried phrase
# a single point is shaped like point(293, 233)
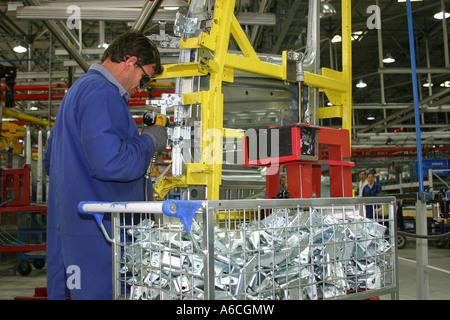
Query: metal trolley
point(252, 249)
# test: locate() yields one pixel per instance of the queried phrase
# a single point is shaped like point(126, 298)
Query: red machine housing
point(309, 147)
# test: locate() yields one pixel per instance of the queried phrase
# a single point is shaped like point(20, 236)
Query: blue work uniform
point(96, 153)
point(371, 192)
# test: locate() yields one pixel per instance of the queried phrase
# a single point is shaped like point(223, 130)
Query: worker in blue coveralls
point(96, 153)
point(371, 189)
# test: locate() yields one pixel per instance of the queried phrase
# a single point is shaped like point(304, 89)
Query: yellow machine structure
point(11, 134)
point(216, 62)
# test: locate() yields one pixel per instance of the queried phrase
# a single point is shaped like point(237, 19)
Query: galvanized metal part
point(290, 254)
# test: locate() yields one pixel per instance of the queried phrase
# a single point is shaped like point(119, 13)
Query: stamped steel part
point(263, 249)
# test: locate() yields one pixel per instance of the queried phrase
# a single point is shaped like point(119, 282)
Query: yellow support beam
point(22, 116)
point(347, 66)
point(191, 69)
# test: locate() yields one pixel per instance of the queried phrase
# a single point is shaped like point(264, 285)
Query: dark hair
point(134, 43)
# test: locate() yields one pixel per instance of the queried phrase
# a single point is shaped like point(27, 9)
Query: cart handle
point(182, 209)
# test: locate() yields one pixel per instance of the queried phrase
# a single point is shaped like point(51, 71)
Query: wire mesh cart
point(265, 249)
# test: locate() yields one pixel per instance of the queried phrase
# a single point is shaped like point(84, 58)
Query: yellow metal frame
point(336, 85)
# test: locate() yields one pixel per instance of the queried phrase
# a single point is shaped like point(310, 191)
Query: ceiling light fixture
point(326, 9)
point(336, 38)
point(361, 84)
point(357, 35)
point(445, 84)
point(172, 8)
point(441, 15)
point(370, 117)
point(389, 59)
point(20, 48)
point(427, 84)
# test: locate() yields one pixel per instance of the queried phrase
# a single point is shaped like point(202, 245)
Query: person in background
point(325, 182)
point(362, 183)
point(283, 184)
point(371, 189)
point(95, 153)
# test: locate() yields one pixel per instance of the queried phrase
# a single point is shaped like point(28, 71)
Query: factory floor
point(14, 285)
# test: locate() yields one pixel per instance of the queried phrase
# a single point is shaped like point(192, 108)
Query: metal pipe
point(37, 87)
point(445, 35)
point(146, 14)
point(380, 64)
point(22, 116)
point(101, 33)
point(310, 51)
point(50, 69)
point(123, 207)
point(416, 97)
point(39, 171)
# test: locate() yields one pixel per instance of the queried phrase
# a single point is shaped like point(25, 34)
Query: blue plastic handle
point(97, 215)
point(185, 210)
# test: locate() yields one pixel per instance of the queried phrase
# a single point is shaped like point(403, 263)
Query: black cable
point(431, 237)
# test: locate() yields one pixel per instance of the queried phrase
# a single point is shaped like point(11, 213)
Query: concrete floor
point(14, 285)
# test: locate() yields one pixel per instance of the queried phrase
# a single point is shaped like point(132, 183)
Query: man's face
point(141, 76)
point(362, 176)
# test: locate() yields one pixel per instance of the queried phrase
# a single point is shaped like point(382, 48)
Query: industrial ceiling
point(272, 26)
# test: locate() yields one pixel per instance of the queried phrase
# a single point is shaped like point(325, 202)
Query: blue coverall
point(94, 152)
point(371, 192)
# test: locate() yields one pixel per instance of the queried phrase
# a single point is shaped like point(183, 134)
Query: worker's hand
point(158, 134)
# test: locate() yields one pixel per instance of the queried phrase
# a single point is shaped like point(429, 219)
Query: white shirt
point(361, 186)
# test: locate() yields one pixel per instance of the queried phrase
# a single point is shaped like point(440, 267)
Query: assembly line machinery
point(213, 84)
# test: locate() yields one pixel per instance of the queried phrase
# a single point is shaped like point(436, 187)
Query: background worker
point(95, 153)
point(283, 183)
point(371, 189)
point(362, 182)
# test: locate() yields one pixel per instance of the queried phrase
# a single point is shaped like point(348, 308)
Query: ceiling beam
point(61, 37)
point(126, 14)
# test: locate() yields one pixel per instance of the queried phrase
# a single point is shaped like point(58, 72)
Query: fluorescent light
point(171, 8)
point(427, 84)
point(104, 45)
point(355, 36)
point(361, 84)
point(336, 38)
point(370, 117)
point(389, 59)
point(20, 49)
point(445, 84)
point(440, 15)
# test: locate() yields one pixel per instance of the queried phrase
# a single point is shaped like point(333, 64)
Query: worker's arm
point(111, 143)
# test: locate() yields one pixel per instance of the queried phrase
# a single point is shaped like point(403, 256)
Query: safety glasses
point(145, 80)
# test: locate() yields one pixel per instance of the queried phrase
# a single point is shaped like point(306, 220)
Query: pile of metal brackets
point(289, 254)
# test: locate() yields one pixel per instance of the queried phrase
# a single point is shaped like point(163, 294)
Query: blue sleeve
point(111, 143)
point(378, 189)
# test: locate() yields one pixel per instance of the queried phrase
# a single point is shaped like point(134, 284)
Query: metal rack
point(252, 250)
